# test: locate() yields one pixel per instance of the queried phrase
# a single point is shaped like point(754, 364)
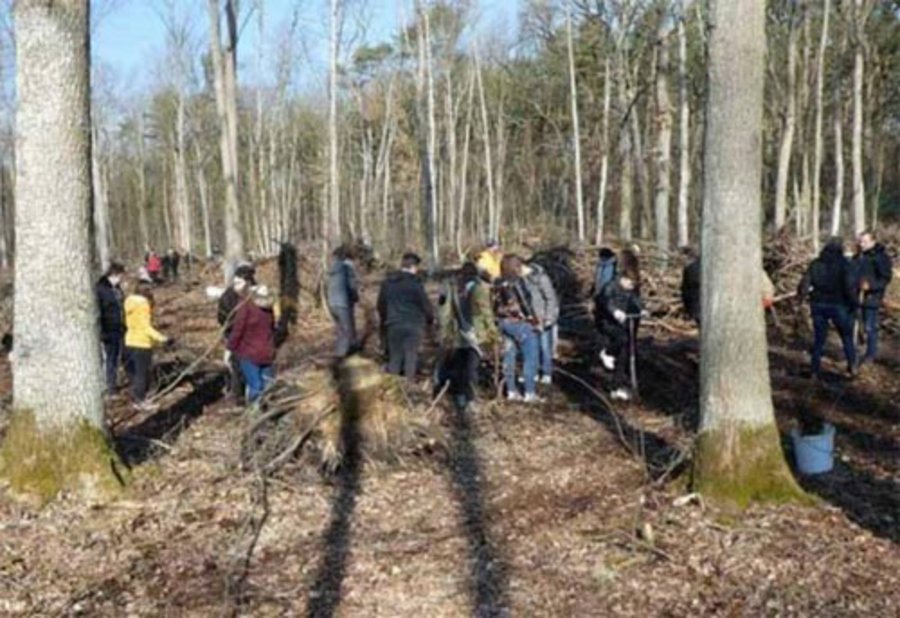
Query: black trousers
point(616, 341)
point(236, 383)
point(462, 370)
point(140, 361)
point(403, 350)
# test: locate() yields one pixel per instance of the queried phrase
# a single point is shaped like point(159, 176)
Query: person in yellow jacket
point(489, 259)
point(140, 339)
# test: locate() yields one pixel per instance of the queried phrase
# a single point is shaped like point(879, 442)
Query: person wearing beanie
point(252, 340)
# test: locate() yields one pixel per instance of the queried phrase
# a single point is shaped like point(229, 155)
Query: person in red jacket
point(154, 266)
point(252, 341)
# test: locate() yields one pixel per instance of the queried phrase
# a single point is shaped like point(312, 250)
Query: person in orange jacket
point(140, 339)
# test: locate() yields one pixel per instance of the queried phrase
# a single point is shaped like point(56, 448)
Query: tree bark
point(738, 456)
point(604, 158)
point(576, 131)
point(225, 81)
point(56, 438)
point(788, 126)
point(684, 136)
point(817, 138)
point(856, 148)
point(664, 138)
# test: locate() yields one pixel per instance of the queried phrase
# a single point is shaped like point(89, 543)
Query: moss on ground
point(740, 466)
point(39, 464)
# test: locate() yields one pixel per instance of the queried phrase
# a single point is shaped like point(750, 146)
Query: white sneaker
point(533, 398)
point(514, 396)
point(608, 360)
point(621, 394)
point(546, 380)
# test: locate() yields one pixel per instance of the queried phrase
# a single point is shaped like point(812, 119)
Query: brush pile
point(355, 412)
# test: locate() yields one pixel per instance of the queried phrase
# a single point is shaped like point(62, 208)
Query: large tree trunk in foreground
point(225, 80)
point(738, 457)
point(56, 438)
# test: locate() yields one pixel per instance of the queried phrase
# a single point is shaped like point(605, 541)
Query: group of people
point(493, 299)
point(157, 269)
point(247, 315)
point(127, 332)
point(847, 291)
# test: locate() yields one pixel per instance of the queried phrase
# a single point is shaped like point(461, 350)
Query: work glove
point(619, 316)
point(226, 358)
point(170, 343)
point(645, 314)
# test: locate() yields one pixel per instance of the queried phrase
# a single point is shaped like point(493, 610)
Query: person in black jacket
point(617, 313)
point(690, 286)
point(873, 271)
point(829, 285)
point(112, 321)
point(405, 310)
point(238, 292)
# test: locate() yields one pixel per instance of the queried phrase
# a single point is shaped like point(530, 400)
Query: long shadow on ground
point(140, 442)
point(489, 575)
point(326, 593)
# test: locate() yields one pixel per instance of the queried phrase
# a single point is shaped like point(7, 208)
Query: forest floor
point(569, 508)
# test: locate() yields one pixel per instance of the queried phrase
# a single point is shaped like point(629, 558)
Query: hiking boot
point(621, 394)
point(514, 396)
point(608, 360)
point(533, 398)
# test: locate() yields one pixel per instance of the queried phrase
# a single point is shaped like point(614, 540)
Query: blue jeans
point(870, 323)
point(824, 314)
point(257, 378)
point(546, 347)
point(520, 336)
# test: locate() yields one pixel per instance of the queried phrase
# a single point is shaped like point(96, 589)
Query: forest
point(274, 341)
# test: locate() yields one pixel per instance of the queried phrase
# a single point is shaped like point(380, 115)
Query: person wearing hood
point(110, 303)
point(829, 286)
point(545, 304)
point(238, 292)
point(467, 332)
point(606, 271)
point(140, 339)
point(873, 271)
point(343, 294)
point(618, 304)
point(405, 310)
point(252, 341)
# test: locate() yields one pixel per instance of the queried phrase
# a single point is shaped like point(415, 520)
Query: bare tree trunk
point(56, 438)
point(464, 171)
point(684, 135)
point(626, 180)
point(203, 188)
point(142, 186)
point(817, 147)
point(837, 204)
point(101, 203)
point(604, 158)
point(225, 79)
point(738, 456)
point(856, 148)
point(576, 132)
point(664, 138)
point(430, 143)
point(182, 200)
point(486, 138)
point(787, 134)
point(332, 230)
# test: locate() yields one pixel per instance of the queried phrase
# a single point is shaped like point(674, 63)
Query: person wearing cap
point(489, 260)
point(343, 294)
point(405, 311)
point(110, 302)
point(252, 340)
point(244, 278)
